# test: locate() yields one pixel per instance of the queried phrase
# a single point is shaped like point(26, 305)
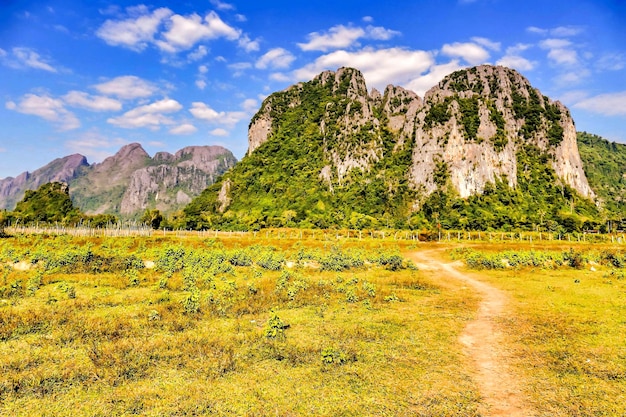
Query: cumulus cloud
point(221, 5)
point(611, 104)
point(487, 43)
point(183, 129)
point(185, 31)
point(168, 31)
point(275, 58)
point(513, 58)
point(150, 115)
point(429, 79)
point(380, 67)
point(198, 54)
point(341, 36)
point(219, 132)
point(560, 51)
point(470, 52)
point(48, 108)
point(93, 103)
point(203, 112)
point(137, 31)
point(516, 62)
point(248, 44)
point(127, 87)
point(21, 58)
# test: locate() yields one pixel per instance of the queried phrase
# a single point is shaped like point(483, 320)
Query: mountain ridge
point(127, 182)
point(328, 153)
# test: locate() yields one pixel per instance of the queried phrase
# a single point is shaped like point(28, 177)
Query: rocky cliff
point(328, 152)
point(60, 170)
point(173, 180)
point(128, 182)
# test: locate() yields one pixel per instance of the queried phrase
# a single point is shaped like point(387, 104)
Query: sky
point(89, 77)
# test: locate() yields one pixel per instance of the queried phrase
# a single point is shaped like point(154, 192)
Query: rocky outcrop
point(60, 170)
point(467, 131)
point(175, 179)
point(476, 121)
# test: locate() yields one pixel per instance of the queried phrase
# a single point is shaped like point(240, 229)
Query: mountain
point(605, 166)
point(129, 182)
point(482, 150)
point(60, 170)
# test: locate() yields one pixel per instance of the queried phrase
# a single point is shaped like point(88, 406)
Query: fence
point(325, 235)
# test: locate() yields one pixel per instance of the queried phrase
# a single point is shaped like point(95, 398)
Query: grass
point(568, 329)
point(89, 331)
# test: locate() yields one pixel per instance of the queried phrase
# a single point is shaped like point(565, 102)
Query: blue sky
point(89, 77)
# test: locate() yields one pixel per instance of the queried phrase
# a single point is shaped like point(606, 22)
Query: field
point(251, 325)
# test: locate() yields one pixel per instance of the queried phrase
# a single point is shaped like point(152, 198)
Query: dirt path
point(482, 342)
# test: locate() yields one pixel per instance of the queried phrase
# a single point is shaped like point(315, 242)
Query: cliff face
point(60, 170)
point(468, 129)
point(128, 182)
point(475, 122)
point(174, 180)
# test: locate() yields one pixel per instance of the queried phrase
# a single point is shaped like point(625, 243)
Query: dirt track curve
point(482, 343)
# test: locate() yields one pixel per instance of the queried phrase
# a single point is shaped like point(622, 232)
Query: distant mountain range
point(129, 182)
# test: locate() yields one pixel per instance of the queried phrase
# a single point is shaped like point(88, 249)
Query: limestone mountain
point(60, 170)
point(129, 182)
point(483, 149)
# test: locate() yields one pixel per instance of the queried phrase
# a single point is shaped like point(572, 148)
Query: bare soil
point(483, 343)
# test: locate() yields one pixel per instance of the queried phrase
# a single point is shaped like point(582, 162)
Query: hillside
point(129, 182)
point(605, 166)
point(482, 150)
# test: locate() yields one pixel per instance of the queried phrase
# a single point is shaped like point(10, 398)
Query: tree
point(153, 218)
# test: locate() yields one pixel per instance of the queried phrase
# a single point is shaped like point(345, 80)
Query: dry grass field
point(251, 326)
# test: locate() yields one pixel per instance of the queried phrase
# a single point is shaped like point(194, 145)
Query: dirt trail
point(482, 342)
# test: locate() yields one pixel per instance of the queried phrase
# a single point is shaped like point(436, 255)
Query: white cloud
point(250, 104)
point(280, 77)
point(200, 52)
point(220, 5)
point(560, 31)
point(203, 112)
point(203, 69)
point(201, 84)
point(436, 73)
point(340, 36)
point(127, 87)
point(560, 51)
point(184, 129)
point(516, 62)
point(89, 102)
point(337, 37)
point(26, 58)
point(552, 43)
point(275, 58)
point(573, 77)
point(184, 32)
point(247, 44)
point(380, 67)
point(487, 43)
point(368, 19)
point(380, 33)
point(472, 53)
point(611, 62)
point(135, 32)
point(219, 132)
point(150, 115)
point(47, 108)
point(611, 104)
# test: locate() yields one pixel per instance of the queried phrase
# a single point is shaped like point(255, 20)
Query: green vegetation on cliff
point(604, 163)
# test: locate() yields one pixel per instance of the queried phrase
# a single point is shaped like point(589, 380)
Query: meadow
point(254, 325)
